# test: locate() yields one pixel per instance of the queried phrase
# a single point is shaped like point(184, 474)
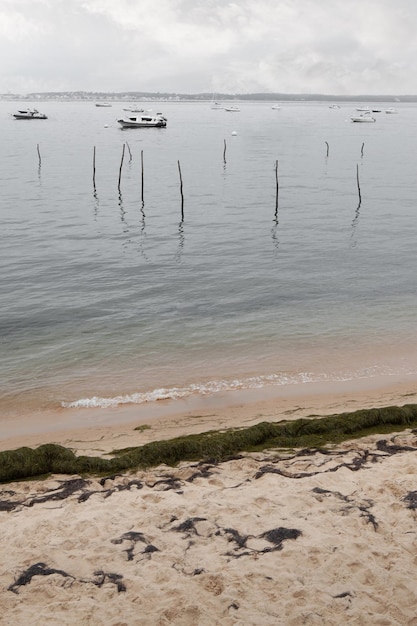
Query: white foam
point(216, 386)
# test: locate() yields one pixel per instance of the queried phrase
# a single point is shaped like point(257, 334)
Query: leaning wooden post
point(94, 167)
point(130, 154)
point(362, 150)
point(121, 165)
point(224, 152)
point(39, 155)
point(357, 182)
point(182, 195)
point(327, 148)
point(277, 189)
point(142, 179)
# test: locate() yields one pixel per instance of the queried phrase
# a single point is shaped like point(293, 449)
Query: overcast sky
point(335, 47)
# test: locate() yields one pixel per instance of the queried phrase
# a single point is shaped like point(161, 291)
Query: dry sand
point(322, 539)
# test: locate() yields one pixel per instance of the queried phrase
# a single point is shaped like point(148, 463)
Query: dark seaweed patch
point(38, 569)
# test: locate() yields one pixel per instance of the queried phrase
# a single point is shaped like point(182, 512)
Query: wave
point(216, 386)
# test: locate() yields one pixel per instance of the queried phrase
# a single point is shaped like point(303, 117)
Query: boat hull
point(25, 117)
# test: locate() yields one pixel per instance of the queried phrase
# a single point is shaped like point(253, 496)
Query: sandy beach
point(265, 538)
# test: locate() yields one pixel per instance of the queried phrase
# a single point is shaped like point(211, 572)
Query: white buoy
point(234, 133)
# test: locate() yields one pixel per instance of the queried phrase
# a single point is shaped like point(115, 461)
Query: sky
point(334, 47)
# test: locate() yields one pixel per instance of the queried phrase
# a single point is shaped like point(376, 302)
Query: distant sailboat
point(216, 105)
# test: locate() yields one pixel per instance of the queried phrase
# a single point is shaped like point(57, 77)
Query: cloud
point(295, 46)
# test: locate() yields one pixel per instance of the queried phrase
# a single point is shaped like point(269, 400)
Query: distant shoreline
point(93, 96)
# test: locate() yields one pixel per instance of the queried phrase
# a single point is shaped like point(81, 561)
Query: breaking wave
point(216, 386)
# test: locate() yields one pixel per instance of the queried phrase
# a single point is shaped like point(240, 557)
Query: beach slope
point(311, 537)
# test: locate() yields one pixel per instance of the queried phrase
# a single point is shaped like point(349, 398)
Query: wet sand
point(98, 431)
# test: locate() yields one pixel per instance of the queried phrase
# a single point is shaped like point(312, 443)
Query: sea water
point(289, 257)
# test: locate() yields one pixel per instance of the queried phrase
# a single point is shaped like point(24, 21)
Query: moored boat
point(143, 120)
point(29, 114)
point(364, 117)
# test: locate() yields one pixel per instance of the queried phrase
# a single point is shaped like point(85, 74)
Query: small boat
point(216, 106)
point(232, 109)
point(103, 104)
point(334, 106)
point(135, 110)
point(391, 110)
point(363, 109)
point(364, 117)
point(143, 120)
point(276, 107)
point(29, 114)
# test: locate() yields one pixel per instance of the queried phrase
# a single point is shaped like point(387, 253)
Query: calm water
point(105, 300)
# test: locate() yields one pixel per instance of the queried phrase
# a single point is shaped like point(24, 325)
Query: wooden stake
point(130, 154)
point(121, 165)
point(141, 163)
point(357, 182)
point(182, 195)
point(224, 152)
point(362, 150)
point(39, 155)
point(277, 189)
point(94, 167)
point(327, 148)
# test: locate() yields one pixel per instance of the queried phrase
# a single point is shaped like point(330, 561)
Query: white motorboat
point(143, 120)
point(29, 114)
point(364, 117)
point(103, 104)
point(232, 109)
point(363, 109)
point(391, 110)
point(276, 107)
